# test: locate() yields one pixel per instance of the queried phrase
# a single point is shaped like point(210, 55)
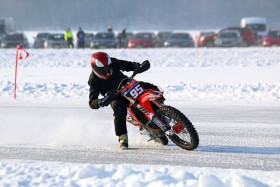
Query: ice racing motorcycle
point(147, 111)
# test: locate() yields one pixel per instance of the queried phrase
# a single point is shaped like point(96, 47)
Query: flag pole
point(15, 89)
point(18, 56)
point(196, 45)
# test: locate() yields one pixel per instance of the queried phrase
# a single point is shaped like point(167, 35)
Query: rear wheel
point(184, 134)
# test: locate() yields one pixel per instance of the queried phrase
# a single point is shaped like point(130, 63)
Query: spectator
point(81, 38)
point(123, 38)
point(110, 28)
point(68, 36)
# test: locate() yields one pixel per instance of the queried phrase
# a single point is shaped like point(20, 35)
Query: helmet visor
point(102, 70)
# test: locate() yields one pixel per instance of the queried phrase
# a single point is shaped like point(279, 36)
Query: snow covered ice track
point(232, 96)
point(230, 137)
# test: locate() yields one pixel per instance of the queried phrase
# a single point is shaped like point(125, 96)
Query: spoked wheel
point(183, 133)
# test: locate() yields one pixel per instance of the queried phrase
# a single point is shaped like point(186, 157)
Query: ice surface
point(53, 79)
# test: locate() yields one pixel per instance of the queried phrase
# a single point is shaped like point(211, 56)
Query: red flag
point(20, 49)
point(18, 56)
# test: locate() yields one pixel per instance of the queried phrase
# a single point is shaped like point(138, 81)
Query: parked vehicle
point(12, 40)
point(163, 36)
point(205, 37)
point(55, 40)
point(249, 37)
point(40, 40)
point(104, 40)
point(88, 39)
point(272, 38)
point(179, 40)
point(228, 38)
point(144, 40)
point(257, 24)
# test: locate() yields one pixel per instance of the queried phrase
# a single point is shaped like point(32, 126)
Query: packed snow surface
point(34, 173)
point(242, 77)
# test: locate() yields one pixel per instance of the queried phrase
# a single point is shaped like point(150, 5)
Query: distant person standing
point(68, 36)
point(81, 38)
point(110, 28)
point(123, 38)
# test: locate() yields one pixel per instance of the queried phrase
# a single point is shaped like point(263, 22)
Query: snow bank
point(239, 76)
point(242, 94)
point(31, 173)
point(212, 57)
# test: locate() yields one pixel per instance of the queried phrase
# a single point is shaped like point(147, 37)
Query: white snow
point(35, 173)
point(56, 78)
point(238, 76)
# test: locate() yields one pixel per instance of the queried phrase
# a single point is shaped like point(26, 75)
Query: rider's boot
point(123, 139)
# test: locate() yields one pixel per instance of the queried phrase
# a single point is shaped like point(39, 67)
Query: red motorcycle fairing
point(136, 92)
point(146, 98)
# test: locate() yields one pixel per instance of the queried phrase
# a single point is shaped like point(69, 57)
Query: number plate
point(135, 92)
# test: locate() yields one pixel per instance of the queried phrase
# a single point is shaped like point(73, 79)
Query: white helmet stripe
point(109, 60)
point(98, 63)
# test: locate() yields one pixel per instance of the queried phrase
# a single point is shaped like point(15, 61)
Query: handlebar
point(143, 67)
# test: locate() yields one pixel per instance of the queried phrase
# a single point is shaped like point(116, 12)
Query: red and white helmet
point(101, 65)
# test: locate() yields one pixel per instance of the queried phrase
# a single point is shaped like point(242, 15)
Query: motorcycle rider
point(107, 74)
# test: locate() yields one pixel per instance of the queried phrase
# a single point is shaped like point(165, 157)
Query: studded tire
point(186, 137)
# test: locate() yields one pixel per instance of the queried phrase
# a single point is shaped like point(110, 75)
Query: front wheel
point(183, 133)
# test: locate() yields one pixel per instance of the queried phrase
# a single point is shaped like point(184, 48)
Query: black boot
point(123, 139)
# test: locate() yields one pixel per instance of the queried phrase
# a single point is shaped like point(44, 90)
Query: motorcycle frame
point(143, 100)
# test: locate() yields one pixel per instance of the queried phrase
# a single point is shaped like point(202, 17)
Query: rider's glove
point(107, 99)
point(139, 69)
point(94, 104)
point(103, 102)
point(146, 61)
